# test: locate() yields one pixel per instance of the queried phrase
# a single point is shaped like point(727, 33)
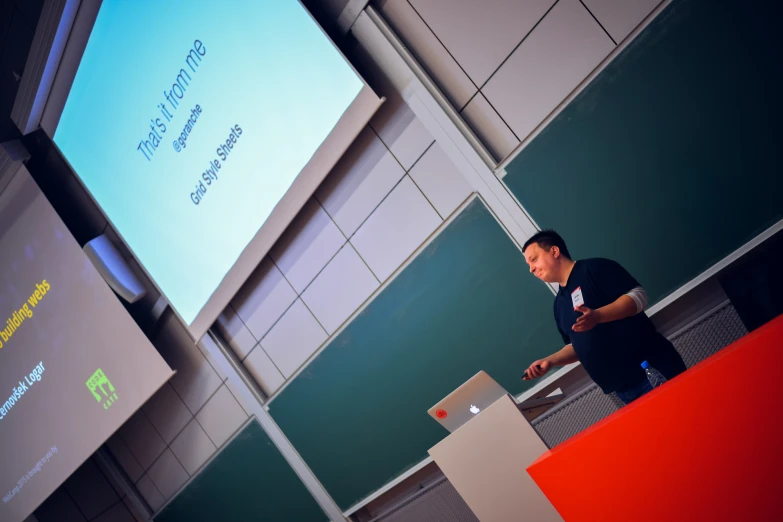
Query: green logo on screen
point(99, 381)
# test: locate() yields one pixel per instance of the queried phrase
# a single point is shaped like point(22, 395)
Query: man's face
point(543, 263)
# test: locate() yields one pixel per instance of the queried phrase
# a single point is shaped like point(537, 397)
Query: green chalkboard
point(358, 413)
point(670, 159)
point(248, 480)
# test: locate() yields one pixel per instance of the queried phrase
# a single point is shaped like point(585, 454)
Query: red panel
point(708, 445)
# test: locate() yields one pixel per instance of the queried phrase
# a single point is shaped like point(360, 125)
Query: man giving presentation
point(598, 311)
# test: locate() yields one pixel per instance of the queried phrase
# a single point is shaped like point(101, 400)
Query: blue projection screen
point(192, 123)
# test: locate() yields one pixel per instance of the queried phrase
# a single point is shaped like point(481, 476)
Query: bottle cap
point(645, 365)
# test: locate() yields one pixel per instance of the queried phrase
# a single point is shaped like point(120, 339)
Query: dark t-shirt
point(612, 353)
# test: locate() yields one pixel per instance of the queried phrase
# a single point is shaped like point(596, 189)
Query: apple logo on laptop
point(474, 409)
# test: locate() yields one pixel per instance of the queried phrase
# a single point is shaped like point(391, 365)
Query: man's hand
point(589, 319)
point(537, 369)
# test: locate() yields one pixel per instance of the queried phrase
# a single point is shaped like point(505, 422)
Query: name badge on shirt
point(576, 298)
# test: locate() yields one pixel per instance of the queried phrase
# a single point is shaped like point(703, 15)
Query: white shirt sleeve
point(640, 298)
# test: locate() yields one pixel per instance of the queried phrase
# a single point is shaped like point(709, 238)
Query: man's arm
point(566, 355)
point(624, 306)
point(614, 280)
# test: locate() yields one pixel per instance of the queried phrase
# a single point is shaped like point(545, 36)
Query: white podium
point(485, 459)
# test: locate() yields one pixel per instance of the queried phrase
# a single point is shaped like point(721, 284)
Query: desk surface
point(704, 446)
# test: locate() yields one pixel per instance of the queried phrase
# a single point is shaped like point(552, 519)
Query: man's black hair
point(546, 239)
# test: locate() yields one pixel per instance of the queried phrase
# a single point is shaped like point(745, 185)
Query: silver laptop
point(467, 401)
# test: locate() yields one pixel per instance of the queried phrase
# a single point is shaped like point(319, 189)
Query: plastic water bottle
point(653, 375)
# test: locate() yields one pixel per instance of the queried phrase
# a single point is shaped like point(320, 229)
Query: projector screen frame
point(348, 127)
point(27, 220)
